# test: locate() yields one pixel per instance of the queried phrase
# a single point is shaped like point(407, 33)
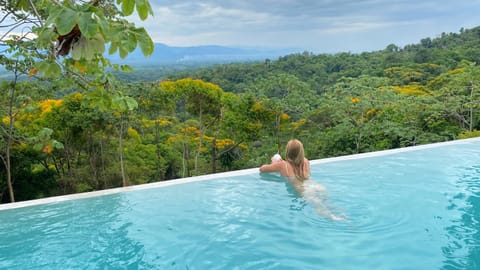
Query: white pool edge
point(394, 151)
point(56, 199)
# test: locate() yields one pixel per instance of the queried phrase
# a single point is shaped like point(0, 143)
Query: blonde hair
point(295, 155)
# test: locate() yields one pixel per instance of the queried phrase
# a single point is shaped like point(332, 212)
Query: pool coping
point(69, 197)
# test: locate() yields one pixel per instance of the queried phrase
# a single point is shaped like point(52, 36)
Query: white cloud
point(301, 23)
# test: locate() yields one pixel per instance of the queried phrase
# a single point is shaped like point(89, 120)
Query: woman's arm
point(272, 167)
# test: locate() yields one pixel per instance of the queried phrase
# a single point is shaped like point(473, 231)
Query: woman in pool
point(296, 169)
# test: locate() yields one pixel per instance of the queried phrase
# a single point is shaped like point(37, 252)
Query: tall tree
point(55, 38)
point(458, 90)
point(200, 99)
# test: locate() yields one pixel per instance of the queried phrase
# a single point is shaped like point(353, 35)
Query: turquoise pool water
point(409, 210)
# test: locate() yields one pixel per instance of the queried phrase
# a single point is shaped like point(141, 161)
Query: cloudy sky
point(320, 26)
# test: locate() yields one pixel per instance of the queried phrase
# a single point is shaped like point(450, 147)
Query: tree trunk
point(185, 155)
point(214, 154)
point(278, 120)
point(214, 143)
point(102, 156)
point(10, 139)
point(9, 172)
point(186, 160)
point(120, 146)
point(159, 175)
point(358, 141)
point(183, 160)
point(470, 126)
point(92, 159)
point(199, 142)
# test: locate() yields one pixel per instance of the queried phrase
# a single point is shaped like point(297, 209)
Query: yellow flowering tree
point(199, 99)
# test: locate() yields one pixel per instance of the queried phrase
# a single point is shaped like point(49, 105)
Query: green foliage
point(33, 179)
point(142, 163)
point(143, 7)
point(79, 31)
point(225, 117)
point(469, 134)
point(66, 40)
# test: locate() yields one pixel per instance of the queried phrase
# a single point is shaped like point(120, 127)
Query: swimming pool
point(414, 208)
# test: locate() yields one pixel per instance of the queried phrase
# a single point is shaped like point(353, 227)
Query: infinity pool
point(417, 208)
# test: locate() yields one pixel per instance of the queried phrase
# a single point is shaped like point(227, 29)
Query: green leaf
point(45, 37)
point(113, 48)
point(97, 44)
point(100, 99)
point(38, 147)
point(53, 70)
point(123, 52)
point(88, 52)
point(50, 68)
point(77, 49)
point(45, 133)
point(54, 12)
point(57, 145)
point(87, 48)
point(80, 49)
point(88, 26)
point(128, 6)
point(23, 5)
point(144, 41)
point(119, 104)
point(130, 44)
point(126, 68)
point(115, 33)
point(66, 21)
point(102, 24)
point(29, 109)
point(105, 62)
point(143, 9)
point(41, 66)
point(131, 103)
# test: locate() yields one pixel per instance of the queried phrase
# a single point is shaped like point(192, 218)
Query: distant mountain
point(165, 55)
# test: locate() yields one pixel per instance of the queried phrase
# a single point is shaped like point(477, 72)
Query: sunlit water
point(411, 210)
